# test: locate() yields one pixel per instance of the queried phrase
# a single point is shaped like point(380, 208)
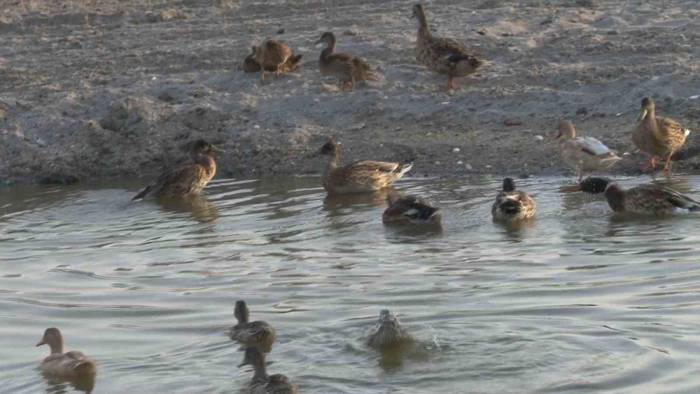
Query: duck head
point(648, 107)
point(53, 338)
point(327, 38)
point(202, 147)
point(330, 148)
point(508, 185)
point(388, 331)
point(417, 11)
point(592, 185)
point(241, 312)
point(566, 130)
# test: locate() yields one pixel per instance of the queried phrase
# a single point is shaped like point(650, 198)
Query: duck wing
point(663, 195)
point(592, 146)
point(412, 207)
point(180, 180)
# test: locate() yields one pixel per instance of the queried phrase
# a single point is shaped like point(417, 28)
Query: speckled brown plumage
point(512, 205)
point(348, 69)
point(256, 333)
point(271, 54)
point(410, 210)
point(262, 383)
point(250, 65)
point(442, 55)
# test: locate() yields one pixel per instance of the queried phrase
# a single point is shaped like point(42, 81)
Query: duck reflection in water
point(199, 208)
point(337, 205)
point(58, 385)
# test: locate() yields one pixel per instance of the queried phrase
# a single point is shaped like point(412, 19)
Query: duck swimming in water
point(262, 383)
point(648, 199)
point(410, 210)
point(188, 179)
point(360, 176)
point(388, 332)
point(68, 365)
point(512, 205)
point(257, 333)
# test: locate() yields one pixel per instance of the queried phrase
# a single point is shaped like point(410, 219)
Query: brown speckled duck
point(247, 333)
point(512, 205)
point(360, 176)
point(188, 179)
point(388, 332)
point(584, 154)
point(262, 383)
point(348, 69)
point(410, 210)
point(655, 200)
point(442, 55)
point(68, 365)
point(659, 137)
point(272, 54)
point(250, 65)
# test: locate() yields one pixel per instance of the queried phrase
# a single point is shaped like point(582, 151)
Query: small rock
point(582, 111)
point(349, 33)
point(613, 32)
point(459, 162)
point(468, 166)
point(280, 31)
point(539, 138)
point(455, 150)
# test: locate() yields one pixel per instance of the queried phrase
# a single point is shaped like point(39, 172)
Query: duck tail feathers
point(85, 368)
point(142, 193)
point(404, 168)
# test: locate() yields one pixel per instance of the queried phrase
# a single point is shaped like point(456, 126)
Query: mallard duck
point(272, 54)
point(659, 137)
point(388, 332)
point(360, 176)
point(250, 65)
point(188, 179)
point(410, 210)
point(256, 333)
point(68, 365)
point(512, 205)
point(584, 154)
point(347, 68)
point(649, 199)
point(262, 383)
point(442, 55)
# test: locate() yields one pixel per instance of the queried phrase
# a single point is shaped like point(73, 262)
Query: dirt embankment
point(113, 88)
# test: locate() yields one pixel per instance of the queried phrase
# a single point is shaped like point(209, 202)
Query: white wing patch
point(594, 145)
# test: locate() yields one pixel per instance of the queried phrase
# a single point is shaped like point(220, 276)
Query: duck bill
point(40, 343)
point(642, 115)
point(217, 149)
point(570, 189)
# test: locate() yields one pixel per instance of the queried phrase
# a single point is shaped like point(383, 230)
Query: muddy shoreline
point(114, 89)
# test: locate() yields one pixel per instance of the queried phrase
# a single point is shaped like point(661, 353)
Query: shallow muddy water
point(579, 301)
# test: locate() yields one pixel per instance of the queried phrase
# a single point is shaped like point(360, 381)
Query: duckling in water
point(584, 154)
point(69, 365)
point(442, 55)
point(410, 210)
point(649, 199)
point(388, 332)
point(258, 333)
point(188, 179)
point(262, 383)
point(659, 137)
point(250, 65)
point(347, 68)
point(512, 205)
point(360, 176)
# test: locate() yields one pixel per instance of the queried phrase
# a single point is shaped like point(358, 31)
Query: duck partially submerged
point(388, 333)
point(648, 199)
point(348, 69)
point(360, 176)
point(442, 55)
point(188, 179)
point(259, 334)
point(250, 65)
point(262, 383)
point(68, 365)
point(272, 55)
point(583, 154)
point(410, 210)
point(512, 205)
point(659, 137)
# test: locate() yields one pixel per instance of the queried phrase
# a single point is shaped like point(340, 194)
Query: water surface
point(577, 302)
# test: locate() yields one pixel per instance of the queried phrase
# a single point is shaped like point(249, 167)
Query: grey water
point(577, 301)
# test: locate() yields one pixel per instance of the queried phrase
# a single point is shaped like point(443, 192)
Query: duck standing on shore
point(188, 179)
point(584, 154)
point(358, 177)
point(659, 137)
point(250, 65)
point(348, 69)
point(512, 205)
point(272, 55)
point(655, 200)
point(442, 55)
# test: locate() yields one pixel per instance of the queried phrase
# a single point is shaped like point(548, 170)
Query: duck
point(659, 137)
point(513, 205)
point(186, 180)
point(648, 199)
point(359, 177)
point(262, 383)
point(410, 210)
point(388, 332)
point(442, 55)
point(68, 365)
point(348, 69)
point(257, 333)
point(272, 55)
point(250, 65)
point(584, 154)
